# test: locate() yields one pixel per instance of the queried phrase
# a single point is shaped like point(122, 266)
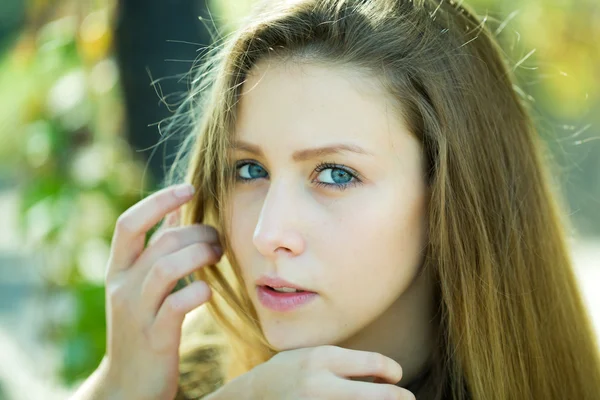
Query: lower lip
point(278, 301)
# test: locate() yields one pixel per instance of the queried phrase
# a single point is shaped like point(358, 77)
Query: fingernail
point(184, 190)
point(218, 249)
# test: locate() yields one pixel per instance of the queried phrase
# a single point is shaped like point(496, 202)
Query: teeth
point(285, 290)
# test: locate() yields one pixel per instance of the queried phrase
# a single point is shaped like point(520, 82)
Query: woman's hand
point(144, 319)
point(322, 373)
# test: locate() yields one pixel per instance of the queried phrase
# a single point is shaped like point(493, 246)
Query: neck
point(405, 332)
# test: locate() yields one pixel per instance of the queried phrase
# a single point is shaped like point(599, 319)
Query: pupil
point(337, 173)
point(253, 168)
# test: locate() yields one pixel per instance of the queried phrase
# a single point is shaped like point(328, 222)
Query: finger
point(357, 363)
point(173, 239)
point(165, 273)
point(173, 218)
point(170, 221)
point(135, 222)
point(169, 319)
point(354, 390)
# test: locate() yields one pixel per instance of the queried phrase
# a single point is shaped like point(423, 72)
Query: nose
point(277, 229)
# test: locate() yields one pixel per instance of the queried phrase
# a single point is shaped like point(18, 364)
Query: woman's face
point(351, 230)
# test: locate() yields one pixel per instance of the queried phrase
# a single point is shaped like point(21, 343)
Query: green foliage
point(84, 340)
point(62, 120)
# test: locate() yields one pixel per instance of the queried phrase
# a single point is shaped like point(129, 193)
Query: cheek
point(243, 223)
point(377, 249)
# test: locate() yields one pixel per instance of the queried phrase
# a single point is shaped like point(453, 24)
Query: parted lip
point(276, 282)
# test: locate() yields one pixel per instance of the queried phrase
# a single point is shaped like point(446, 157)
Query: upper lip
point(276, 282)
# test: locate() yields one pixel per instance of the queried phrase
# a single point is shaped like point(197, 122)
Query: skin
point(359, 248)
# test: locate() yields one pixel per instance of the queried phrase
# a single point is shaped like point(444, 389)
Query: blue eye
point(331, 175)
point(342, 177)
point(252, 171)
point(337, 175)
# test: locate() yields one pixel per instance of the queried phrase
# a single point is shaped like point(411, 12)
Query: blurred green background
point(83, 87)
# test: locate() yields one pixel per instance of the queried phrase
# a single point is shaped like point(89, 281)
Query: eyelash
point(322, 166)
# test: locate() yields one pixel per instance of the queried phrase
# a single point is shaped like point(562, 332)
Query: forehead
point(295, 105)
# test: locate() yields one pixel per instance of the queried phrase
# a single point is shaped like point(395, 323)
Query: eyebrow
point(305, 154)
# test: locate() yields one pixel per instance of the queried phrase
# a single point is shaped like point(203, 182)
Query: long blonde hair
point(512, 321)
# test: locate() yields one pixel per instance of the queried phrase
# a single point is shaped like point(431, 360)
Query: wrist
point(110, 383)
point(96, 387)
point(242, 387)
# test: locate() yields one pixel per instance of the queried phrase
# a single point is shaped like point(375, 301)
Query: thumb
point(173, 219)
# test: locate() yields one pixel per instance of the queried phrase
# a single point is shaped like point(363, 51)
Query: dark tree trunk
point(145, 31)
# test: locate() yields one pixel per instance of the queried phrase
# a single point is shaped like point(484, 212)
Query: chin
point(288, 336)
point(287, 343)
point(283, 337)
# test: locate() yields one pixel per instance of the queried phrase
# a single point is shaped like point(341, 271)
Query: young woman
point(387, 220)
